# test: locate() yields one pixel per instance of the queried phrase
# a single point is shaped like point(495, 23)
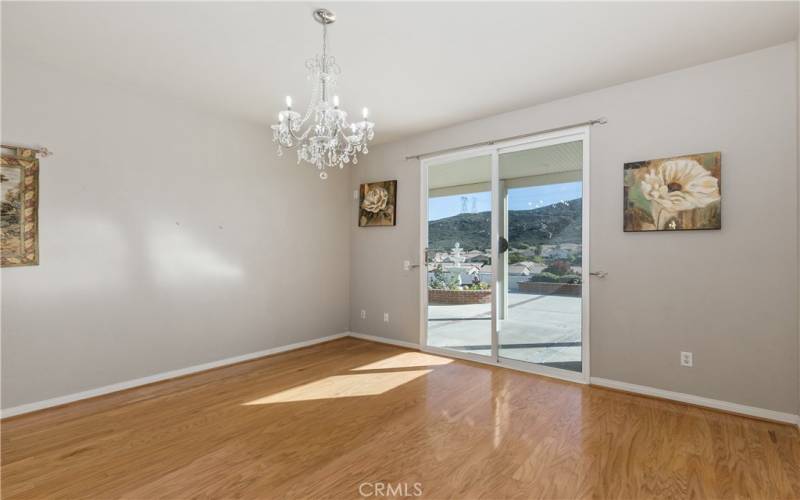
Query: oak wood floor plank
point(320, 421)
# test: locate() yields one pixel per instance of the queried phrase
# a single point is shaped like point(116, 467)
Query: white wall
point(171, 237)
point(729, 296)
point(168, 237)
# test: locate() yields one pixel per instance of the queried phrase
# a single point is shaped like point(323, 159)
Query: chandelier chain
point(324, 41)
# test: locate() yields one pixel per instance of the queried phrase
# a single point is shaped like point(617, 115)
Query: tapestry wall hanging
point(673, 194)
point(19, 217)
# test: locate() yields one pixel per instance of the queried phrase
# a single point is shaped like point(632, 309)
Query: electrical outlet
point(363, 314)
point(355, 194)
point(406, 265)
point(385, 317)
point(686, 359)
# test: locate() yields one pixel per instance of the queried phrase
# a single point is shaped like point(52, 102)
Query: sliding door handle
point(502, 245)
point(599, 274)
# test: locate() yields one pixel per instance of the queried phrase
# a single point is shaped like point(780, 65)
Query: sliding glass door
point(458, 255)
point(505, 232)
point(540, 273)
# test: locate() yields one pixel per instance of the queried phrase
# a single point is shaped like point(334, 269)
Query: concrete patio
point(543, 329)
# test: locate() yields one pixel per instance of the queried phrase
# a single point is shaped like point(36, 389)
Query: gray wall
point(728, 296)
point(169, 238)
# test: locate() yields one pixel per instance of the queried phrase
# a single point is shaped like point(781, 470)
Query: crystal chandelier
point(329, 140)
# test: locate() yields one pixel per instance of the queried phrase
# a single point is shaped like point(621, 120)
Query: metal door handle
point(599, 274)
point(502, 244)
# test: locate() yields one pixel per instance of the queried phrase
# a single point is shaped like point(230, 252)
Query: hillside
point(558, 223)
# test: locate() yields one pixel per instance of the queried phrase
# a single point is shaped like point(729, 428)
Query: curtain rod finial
point(43, 151)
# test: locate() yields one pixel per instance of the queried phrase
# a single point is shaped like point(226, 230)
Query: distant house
point(554, 252)
point(562, 251)
point(480, 258)
point(441, 257)
point(572, 248)
point(519, 269)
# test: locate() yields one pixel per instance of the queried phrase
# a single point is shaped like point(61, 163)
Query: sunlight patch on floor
point(343, 386)
point(406, 360)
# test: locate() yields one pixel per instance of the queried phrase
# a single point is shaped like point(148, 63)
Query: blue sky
point(518, 199)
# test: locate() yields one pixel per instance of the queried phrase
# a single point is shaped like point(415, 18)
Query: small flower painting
point(673, 194)
point(378, 203)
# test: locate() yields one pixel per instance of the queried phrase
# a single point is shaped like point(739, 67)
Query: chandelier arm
point(311, 104)
point(359, 134)
point(345, 140)
point(352, 144)
point(300, 137)
point(340, 132)
point(303, 136)
point(294, 136)
point(347, 144)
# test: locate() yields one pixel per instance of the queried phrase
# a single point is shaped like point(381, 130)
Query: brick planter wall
point(565, 289)
point(456, 297)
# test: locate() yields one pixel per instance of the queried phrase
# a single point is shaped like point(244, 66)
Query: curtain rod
point(39, 150)
point(599, 121)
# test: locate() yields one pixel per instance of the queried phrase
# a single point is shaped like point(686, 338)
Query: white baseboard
point(698, 401)
point(100, 391)
point(384, 340)
point(613, 384)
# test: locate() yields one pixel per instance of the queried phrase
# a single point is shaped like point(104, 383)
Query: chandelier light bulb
point(323, 137)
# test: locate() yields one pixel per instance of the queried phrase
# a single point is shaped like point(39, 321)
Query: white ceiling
point(418, 66)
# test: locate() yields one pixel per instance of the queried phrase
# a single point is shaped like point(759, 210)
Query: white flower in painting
point(375, 200)
point(678, 185)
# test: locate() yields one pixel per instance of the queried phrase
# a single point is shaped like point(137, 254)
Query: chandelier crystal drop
point(323, 136)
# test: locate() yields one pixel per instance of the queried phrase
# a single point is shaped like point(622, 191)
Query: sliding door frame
point(537, 141)
point(425, 165)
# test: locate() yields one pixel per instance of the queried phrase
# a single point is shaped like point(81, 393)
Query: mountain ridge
point(550, 225)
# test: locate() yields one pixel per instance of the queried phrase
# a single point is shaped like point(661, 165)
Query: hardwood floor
point(321, 421)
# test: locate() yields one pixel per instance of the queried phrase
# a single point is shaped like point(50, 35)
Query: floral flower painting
point(673, 194)
point(378, 204)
